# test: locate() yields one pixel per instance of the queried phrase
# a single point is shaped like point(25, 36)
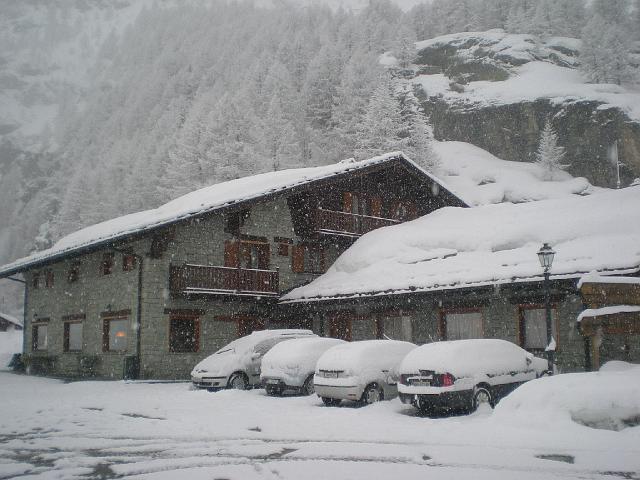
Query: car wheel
point(308, 388)
point(239, 381)
point(481, 396)
point(372, 394)
point(331, 402)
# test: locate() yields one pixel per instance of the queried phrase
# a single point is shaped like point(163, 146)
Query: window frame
point(49, 278)
point(107, 264)
point(186, 317)
point(73, 275)
point(35, 280)
point(67, 336)
point(442, 326)
point(129, 262)
point(521, 330)
point(41, 322)
point(106, 332)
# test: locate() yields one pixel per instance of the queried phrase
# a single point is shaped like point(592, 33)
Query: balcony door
point(249, 254)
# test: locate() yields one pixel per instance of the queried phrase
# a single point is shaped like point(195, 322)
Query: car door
point(259, 350)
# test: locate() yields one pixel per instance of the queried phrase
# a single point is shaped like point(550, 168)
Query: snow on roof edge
point(437, 288)
point(604, 311)
point(49, 255)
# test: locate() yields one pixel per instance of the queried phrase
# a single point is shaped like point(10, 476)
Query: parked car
point(463, 374)
point(291, 365)
point(365, 371)
point(237, 365)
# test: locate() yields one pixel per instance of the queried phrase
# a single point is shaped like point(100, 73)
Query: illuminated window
point(115, 333)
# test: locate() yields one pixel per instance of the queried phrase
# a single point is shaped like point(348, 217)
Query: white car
point(237, 365)
point(463, 374)
point(290, 365)
point(365, 371)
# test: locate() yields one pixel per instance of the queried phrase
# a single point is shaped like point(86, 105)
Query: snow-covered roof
point(201, 201)
point(10, 319)
point(604, 311)
point(493, 244)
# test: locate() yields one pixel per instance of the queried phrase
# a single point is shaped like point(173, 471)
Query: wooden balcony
point(202, 279)
point(331, 222)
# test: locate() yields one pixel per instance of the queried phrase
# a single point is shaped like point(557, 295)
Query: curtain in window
point(461, 326)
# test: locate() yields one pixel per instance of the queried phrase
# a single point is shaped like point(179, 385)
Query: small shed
point(612, 321)
point(9, 323)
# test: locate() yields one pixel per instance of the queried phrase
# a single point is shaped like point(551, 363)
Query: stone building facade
point(153, 301)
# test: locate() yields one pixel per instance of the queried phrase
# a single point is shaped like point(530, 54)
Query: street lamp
point(545, 256)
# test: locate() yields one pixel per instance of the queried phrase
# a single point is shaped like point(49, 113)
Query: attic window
point(74, 272)
point(106, 267)
point(48, 279)
point(236, 220)
point(128, 262)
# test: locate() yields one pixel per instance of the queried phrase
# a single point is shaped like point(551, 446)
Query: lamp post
point(545, 256)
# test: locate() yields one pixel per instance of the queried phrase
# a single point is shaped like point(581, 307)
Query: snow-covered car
point(291, 365)
point(237, 365)
point(365, 371)
point(463, 374)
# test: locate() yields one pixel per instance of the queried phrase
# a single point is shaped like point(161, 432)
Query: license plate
point(331, 374)
point(272, 381)
point(421, 383)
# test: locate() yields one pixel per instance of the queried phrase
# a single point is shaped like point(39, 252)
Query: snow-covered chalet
point(150, 294)
point(472, 273)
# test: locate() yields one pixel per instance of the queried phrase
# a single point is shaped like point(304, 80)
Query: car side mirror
point(255, 355)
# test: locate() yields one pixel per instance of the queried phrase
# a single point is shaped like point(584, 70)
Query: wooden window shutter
point(347, 202)
point(376, 206)
point(231, 249)
point(412, 211)
point(297, 259)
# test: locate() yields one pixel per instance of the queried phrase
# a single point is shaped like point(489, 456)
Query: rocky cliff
point(496, 91)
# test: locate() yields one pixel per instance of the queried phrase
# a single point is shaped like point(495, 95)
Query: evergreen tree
point(549, 154)
point(418, 134)
point(382, 127)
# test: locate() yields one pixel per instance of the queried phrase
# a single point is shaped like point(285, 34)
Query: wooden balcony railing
point(203, 279)
point(349, 224)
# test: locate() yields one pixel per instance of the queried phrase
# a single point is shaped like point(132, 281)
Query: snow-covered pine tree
point(382, 128)
point(549, 155)
point(418, 142)
point(405, 49)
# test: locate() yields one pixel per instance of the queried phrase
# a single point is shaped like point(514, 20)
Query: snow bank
point(294, 360)
point(200, 201)
point(609, 399)
point(10, 343)
point(481, 178)
point(492, 244)
point(365, 358)
point(467, 358)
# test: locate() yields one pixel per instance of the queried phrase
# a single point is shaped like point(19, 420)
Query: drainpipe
point(139, 258)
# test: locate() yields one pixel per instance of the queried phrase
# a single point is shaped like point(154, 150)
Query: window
point(39, 340)
point(308, 258)
point(106, 267)
point(462, 325)
point(403, 210)
point(184, 334)
point(74, 272)
point(340, 326)
point(128, 262)
point(395, 327)
point(283, 245)
point(48, 279)
point(533, 327)
point(72, 336)
point(361, 204)
point(249, 254)
point(115, 333)
point(35, 280)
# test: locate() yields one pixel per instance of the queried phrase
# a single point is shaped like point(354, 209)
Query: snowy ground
point(49, 429)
